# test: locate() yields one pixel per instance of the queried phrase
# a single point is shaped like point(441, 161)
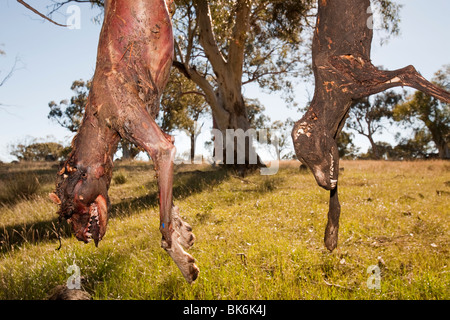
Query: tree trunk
point(375, 151)
point(129, 151)
point(443, 148)
point(227, 103)
point(193, 138)
point(230, 101)
point(444, 152)
point(225, 98)
point(438, 136)
point(126, 151)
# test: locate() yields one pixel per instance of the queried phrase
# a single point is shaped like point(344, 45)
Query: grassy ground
point(257, 238)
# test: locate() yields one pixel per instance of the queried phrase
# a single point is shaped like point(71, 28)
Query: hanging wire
point(58, 233)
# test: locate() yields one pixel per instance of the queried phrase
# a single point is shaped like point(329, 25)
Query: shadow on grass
point(17, 187)
point(14, 236)
point(185, 184)
point(133, 166)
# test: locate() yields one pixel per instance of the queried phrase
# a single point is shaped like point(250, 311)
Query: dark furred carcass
point(134, 57)
point(343, 73)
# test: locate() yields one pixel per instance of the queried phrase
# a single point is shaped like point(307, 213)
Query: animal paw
point(186, 238)
point(184, 261)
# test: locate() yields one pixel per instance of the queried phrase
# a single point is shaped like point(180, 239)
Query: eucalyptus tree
point(224, 45)
point(426, 113)
point(368, 115)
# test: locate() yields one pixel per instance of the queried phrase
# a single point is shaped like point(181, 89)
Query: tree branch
point(237, 45)
point(59, 5)
point(10, 73)
point(207, 88)
point(207, 38)
point(256, 77)
point(198, 79)
point(39, 14)
point(193, 92)
point(191, 35)
point(178, 51)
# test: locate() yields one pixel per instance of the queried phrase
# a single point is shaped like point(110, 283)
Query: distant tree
point(367, 115)
point(129, 150)
point(182, 106)
point(442, 77)
point(256, 116)
point(417, 147)
point(384, 151)
point(281, 130)
point(347, 149)
point(69, 114)
point(37, 150)
point(421, 111)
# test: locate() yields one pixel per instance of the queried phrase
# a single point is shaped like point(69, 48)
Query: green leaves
point(69, 114)
point(424, 112)
point(182, 104)
point(37, 150)
point(366, 114)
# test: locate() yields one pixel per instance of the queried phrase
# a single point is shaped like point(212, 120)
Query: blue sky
point(51, 57)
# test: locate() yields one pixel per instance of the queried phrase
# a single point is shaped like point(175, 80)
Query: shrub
point(119, 178)
point(19, 186)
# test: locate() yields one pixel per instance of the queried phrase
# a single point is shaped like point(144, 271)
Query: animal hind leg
point(142, 130)
point(371, 80)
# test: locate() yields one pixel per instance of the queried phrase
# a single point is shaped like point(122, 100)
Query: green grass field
point(257, 238)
